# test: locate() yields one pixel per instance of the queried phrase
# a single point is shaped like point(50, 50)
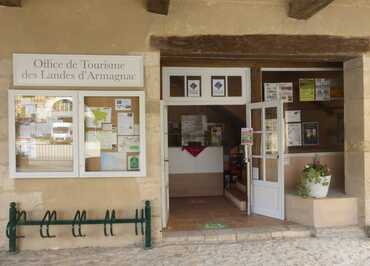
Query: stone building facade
point(117, 27)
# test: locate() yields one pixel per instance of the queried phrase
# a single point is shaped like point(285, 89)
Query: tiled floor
point(196, 213)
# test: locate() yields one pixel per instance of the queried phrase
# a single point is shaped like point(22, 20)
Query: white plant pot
point(319, 190)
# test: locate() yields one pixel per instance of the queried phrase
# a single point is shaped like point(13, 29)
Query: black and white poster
point(310, 133)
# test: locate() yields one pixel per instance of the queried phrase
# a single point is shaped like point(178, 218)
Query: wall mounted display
point(307, 90)
point(218, 86)
point(310, 133)
point(121, 149)
point(293, 116)
point(322, 89)
point(194, 86)
point(294, 134)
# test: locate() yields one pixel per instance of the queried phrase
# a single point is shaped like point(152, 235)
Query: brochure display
point(112, 133)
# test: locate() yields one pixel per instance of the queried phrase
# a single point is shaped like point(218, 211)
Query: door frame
point(174, 101)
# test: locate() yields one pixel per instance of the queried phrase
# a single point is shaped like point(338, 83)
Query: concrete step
point(343, 232)
point(237, 234)
point(237, 197)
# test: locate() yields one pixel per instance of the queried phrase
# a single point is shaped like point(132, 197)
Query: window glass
point(234, 86)
point(44, 133)
point(177, 86)
point(112, 133)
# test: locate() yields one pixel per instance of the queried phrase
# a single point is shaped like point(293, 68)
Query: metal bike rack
point(19, 218)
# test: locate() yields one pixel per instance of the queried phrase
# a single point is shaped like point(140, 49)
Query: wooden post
point(304, 9)
point(11, 3)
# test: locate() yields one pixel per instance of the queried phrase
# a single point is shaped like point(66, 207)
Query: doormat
point(214, 226)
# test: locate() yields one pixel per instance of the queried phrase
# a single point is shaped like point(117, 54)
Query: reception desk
point(196, 176)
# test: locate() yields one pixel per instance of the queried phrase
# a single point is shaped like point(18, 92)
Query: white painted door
point(266, 159)
point(164, 165)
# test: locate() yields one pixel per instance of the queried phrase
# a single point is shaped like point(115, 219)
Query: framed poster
point(193, 86)
point(218, 86)
point(310, 133)
point(306, 90)
point(294, 134)
point(322, 89)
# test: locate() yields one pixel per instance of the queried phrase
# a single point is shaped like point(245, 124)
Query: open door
point(266, 159)
point(164, 165)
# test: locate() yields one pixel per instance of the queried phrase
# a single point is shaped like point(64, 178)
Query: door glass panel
point(257, 169)
point(177, 86)
point(44, 133)
point(112, 133)
point(256, 116)
point(272, 170)
point(271, 131)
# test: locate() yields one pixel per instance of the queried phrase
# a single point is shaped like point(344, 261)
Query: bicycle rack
point(19, 218)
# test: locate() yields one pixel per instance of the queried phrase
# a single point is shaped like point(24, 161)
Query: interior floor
point(196, 213)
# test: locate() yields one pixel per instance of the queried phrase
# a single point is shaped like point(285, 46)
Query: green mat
point(214, 226)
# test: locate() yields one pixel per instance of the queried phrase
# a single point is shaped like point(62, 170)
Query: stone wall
point(357, 133)
point(95, 195)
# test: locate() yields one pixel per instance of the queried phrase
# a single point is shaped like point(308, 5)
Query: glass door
point(266, 159)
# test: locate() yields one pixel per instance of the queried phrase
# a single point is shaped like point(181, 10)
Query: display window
point(43, 132)
point(72, 134)
point(113, 134)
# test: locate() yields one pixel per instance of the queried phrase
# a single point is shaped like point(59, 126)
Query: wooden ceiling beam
point(304, 9)
point(262, 46)
point(158, 6)
point(11, 3)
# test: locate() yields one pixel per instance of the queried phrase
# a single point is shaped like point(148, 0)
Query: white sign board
point(78, 70)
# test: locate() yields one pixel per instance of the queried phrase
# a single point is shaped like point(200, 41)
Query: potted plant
point(315, 180)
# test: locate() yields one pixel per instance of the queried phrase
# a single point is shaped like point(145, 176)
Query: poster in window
point(123, 104)
point(271, 91)
point(294, 134)
point(310, 133)
point(193, 87)
point(293, 116)
point(218, 87)
point(125, 123)
point(286, 92)
point(96, 116)
point(322, 89)
point(133, 162)
point(306, 90)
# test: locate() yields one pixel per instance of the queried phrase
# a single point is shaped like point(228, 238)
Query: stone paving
point(329, 247)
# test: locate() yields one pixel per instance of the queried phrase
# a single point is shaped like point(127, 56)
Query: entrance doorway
point(207, 175)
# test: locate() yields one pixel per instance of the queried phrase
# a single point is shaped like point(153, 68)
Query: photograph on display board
point(310, 133)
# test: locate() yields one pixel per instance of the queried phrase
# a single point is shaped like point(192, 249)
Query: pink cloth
point(195, 151)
